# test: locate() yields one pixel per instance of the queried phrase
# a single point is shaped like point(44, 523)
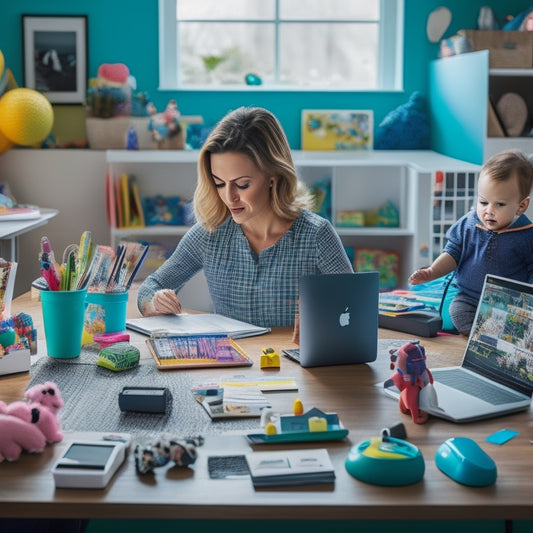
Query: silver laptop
point(338, 319)
point(496, 375)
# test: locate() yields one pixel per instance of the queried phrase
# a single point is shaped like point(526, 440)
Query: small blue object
point(253, 79)
point(132, 141)
point(502, 436)
point(464, 461)
point(386, 461)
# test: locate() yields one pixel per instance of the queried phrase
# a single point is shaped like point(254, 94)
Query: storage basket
point(507, 49)
point(110, 133)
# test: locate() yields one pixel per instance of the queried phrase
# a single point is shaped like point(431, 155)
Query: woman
point(255, 234)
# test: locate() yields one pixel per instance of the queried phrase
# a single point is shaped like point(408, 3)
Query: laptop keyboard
point(459, 380)
point(293, 354)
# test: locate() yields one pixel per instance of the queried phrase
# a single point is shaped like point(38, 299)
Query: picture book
point(111, 206)
point(290, 467)
point(337, 129)
point(387, 263)
point(19, 213)
point(195, 351)
point(232, 401)
point(129, 202)
point(163, 210)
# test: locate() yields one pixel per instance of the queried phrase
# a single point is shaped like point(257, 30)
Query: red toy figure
point(410, 377)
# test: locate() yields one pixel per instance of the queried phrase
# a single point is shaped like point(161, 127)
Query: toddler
point(496, 238)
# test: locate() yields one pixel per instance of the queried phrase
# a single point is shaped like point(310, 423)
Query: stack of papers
point(292, 467)
point(232, 401)
point(195, 324)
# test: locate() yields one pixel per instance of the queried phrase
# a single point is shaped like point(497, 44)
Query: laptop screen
point(501, 342)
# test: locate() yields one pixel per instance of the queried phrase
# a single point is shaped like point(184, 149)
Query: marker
point(48, 267)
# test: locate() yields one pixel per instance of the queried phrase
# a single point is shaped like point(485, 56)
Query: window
point(281, 44)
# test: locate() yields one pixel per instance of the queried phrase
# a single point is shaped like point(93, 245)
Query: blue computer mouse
point(388, 461)
point(464, 461)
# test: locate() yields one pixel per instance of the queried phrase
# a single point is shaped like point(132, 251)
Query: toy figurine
point(410, 378)
point(160, 453)
point(269, 358)
point(166, 128)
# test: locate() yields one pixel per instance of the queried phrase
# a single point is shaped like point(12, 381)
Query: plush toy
point(181, 451)
point(410, 377)
point(405, 128)
point(29, 425)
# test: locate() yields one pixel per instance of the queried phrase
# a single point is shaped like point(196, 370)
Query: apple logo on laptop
point(344, 318)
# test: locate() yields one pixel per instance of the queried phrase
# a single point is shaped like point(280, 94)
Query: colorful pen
point(48, 268)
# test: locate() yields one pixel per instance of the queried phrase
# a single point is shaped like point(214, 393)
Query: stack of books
point(292, 467)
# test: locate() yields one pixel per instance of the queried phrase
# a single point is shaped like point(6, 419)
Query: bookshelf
point(359, 181)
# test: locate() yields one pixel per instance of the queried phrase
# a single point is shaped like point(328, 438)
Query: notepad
point(291, 467)
point(195, 324)
point(196, 351)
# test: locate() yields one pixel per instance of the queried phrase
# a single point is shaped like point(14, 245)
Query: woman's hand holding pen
point(164, 302)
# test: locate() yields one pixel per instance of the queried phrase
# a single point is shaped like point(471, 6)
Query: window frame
point(390, 59)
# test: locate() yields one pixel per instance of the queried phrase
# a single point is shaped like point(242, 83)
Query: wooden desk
point(27, 488)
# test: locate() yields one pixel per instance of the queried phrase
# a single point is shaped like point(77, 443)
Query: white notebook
point(195, 324)
point(291, 467)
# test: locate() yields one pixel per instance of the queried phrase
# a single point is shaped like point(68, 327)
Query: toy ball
point(26, 116)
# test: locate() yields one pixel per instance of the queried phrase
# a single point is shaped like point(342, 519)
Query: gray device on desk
point(338, 318)
point(495, 377)
point(89, 464)
point(144, 399)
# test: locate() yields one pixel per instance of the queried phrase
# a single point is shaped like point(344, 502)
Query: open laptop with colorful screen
point(338, 319)
point(496, 375)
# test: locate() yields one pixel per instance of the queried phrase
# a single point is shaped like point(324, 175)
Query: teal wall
point(125, 31)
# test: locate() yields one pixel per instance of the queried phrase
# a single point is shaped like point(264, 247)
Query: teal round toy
point(386, 461)
point(8, 337)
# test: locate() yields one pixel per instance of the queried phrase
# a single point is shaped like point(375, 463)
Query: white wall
point(71, 181)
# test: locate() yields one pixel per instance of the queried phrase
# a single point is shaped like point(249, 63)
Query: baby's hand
point(422, 275)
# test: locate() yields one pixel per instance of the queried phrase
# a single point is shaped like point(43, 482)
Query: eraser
point(107, 339)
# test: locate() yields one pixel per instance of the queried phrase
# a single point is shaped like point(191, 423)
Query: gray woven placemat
point(91, 397)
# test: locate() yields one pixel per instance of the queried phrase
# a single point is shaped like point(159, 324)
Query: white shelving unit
point(359, 181)
point(519, 81)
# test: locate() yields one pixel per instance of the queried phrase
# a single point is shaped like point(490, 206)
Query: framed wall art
point(337, 129)
point(56, 56)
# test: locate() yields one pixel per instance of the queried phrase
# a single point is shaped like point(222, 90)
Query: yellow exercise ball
point(26, 116)
point(5, 143)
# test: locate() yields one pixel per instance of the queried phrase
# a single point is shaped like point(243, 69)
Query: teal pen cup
point(63, 315)
point(106, 312)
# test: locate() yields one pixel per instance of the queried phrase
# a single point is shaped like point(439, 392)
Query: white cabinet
point(360, 181)
point(460, 111)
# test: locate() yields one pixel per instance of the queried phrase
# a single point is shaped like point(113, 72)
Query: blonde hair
point(256, 133)
point(504, 165)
